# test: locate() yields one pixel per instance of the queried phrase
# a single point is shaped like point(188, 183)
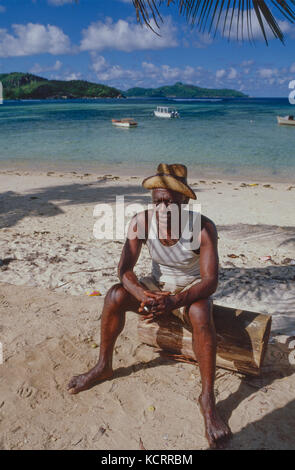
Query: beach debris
point(151, 408)
point(44, 232)
point(77, 442)
point(289, 261)
point(56, 259)
point(102, 430)
point(267, 186)
point(61, 285)
point(7, 261)
point(94, 293)
point(94, 345)
point(265, 258)
point(232, 255)
point(141, 446)
point(290, 187)
point(245, 185)
point(107, 177)
point(84, 271)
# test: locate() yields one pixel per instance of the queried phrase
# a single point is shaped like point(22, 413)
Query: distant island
point(21, 86)
point(180, 90)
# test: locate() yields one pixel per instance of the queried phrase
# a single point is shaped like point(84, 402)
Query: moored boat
point(286, 120)
point(126, 122)
point(164, 112)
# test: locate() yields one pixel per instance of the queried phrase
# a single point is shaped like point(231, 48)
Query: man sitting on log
point(184, 276)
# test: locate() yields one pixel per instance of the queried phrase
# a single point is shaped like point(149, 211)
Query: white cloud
point(30, 39)
point(220, 73)
point(110, 73)
point(233, 73)
point(292, 68)
point(2, 9)
point(203, 40)
point(149, 67)
point(73, 76)
point(37, 68)
point(148, 74)
point(267, 72)
point(151, 75)
point(127, 37)
point(99, 63)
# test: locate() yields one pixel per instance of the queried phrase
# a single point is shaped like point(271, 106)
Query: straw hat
point(170, 177)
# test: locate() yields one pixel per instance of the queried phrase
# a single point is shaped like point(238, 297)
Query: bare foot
point(82, 382)
point(217, 431)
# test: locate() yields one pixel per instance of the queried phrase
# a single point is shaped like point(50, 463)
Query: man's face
point(167, 197)
point(168, 211)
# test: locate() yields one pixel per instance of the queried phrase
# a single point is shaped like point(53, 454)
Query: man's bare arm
point(129, 257)
point(208, 268)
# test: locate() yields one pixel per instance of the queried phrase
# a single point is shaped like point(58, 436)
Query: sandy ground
point(48, 325)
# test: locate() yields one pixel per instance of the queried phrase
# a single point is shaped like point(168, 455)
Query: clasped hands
point(156, 304)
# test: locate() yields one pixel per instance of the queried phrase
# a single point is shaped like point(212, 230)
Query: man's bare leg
point(117, 302)
point(204, 346)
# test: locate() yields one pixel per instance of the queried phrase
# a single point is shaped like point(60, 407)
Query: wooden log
point(242, 338)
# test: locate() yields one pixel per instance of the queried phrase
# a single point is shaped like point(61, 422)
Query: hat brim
point(168, 182)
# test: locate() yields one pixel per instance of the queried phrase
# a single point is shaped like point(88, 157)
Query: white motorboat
point(164, 112)
point(286, 120)
point(126, 123)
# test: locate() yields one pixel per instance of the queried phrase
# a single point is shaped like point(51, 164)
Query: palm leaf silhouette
point(223, 14)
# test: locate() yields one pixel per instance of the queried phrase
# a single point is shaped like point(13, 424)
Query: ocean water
point(230, 138)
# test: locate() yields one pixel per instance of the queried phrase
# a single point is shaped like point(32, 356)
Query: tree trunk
point(242, 338)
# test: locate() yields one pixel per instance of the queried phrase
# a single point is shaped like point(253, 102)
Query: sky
point(101, 41)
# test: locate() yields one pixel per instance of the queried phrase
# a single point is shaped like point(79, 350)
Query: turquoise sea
point(230, 138)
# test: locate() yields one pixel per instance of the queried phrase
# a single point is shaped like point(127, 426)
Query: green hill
point(27, 86)
point(179, 90)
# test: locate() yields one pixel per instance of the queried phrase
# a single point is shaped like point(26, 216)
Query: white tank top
point(174, 265)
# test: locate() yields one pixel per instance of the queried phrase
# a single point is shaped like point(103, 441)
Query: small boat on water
point(287, 120)
point(164, 112)
point(126, 122)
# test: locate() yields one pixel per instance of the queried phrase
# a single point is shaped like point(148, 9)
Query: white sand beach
point(48, 327)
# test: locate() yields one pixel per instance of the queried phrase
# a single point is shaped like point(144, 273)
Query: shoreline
point(142, 171)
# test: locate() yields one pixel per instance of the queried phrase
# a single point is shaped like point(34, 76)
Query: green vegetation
point(179, 90)
point(27, 86)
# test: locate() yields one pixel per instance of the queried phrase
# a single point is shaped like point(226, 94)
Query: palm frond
point(220, 14)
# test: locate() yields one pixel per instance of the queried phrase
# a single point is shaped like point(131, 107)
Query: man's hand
point(158, 303)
